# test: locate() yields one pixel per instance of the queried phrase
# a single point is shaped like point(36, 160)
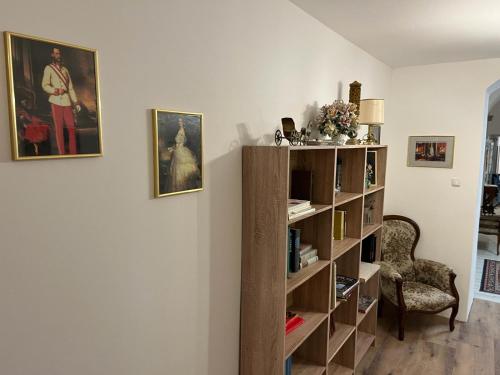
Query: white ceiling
point(414, 32)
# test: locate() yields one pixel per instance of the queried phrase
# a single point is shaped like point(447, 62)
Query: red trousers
point(63, 116)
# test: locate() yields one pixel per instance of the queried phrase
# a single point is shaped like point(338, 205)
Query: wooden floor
point(431, 349)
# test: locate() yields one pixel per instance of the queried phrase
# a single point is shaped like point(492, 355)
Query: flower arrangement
point(338, 118)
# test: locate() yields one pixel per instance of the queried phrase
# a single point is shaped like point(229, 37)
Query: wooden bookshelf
point(334, 336)
point(363, 343)
point(311, 321)
point(341, 197)
point(342, 333)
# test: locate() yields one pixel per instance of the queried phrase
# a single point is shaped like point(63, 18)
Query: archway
point(490, 161)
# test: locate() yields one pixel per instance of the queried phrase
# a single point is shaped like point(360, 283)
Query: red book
point(293, 323)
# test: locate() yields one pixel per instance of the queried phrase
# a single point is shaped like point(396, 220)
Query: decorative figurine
point(289, 133)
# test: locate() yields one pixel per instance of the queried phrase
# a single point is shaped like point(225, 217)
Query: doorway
point(486, 282)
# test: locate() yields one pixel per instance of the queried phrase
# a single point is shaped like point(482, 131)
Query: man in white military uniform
point(62, 97)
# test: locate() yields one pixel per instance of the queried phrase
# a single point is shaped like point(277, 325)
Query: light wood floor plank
point(430, 348)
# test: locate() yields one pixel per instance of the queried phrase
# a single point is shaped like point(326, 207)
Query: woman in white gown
point(184, 166)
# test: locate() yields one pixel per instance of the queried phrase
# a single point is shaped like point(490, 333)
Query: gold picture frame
point(177, 152)
point(44, 77)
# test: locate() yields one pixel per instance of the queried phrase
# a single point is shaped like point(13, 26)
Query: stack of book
point(298, 208)
point(300, 255)
point(344, 286)
point(308, 255)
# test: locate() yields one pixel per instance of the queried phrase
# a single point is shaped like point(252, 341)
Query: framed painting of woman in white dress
point(178, 152)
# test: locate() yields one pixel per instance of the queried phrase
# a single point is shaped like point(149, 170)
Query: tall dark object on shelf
point(355, 98)
point(355, 94)
point(302, 185)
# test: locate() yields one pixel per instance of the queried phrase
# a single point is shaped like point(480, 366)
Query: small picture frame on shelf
point(431, 151)
point(371, 168)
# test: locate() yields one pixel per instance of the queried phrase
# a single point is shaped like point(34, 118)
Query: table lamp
point(371, 113)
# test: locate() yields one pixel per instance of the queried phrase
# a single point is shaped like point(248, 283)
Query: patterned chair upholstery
point(413, 285)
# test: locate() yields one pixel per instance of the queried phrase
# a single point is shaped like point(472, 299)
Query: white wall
point(442, 99)
point(96, 277)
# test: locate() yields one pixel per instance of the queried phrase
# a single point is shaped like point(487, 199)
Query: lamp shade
point(371, 112)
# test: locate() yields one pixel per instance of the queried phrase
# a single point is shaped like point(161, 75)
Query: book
point(293, 321)
point(295, 250)
point(309, 254)
point(364, 302)
point(369, 249)
point(295, 215)
point(288, 366)
point(334, 284)
point(339, 227)
point(301, 184)
point(304, 248)
point(344, 285)
point(289, 254)
point(298, 205)
point(309, 261)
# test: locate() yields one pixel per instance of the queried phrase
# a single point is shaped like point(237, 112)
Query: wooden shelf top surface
point(336, 369)
point(373, 189)
point(367, 270)
point(370, 229)
point(330, 147)
point(301, 367)
point(340, 247)
point(295, 338)
point(298, 278)
point(363, 343)
point(340, 336)
point(344, 197)
point(319, 209)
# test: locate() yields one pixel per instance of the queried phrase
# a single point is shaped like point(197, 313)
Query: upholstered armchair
point(413, 285)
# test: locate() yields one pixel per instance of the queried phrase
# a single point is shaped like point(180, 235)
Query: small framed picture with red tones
point(431, 151)
point(54, 103)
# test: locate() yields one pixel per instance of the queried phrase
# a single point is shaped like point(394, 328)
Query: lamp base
point(369, 139)
point(352, 141)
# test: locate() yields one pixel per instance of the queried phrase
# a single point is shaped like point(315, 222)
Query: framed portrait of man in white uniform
point(54, 103)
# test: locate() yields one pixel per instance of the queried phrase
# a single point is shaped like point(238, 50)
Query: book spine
point(289, 254)
point(305, 257)
point(312, 260)
point(334, 285)
point(295, 255)
point(339, 225)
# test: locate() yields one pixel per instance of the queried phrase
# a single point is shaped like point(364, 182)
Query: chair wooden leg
point(498, 244)
point(401, 315)
point(380, 307)
point(454, 312)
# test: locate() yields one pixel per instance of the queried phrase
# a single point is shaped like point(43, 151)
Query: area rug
point(490, 283)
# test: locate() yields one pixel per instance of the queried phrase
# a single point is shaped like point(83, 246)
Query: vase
point(339, 140)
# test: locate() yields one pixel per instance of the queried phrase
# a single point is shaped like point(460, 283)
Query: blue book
point(295, 251)
point(288, 366)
